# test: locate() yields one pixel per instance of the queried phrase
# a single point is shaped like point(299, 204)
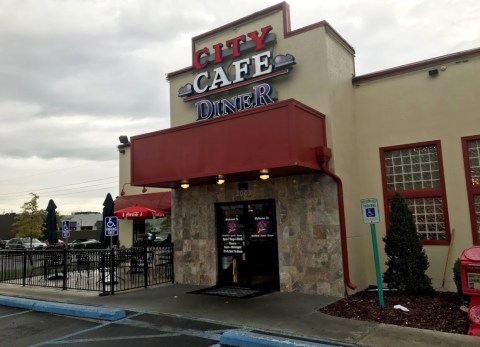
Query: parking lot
point(20, 327)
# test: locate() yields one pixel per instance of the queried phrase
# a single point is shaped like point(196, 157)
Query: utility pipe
point(323, 156)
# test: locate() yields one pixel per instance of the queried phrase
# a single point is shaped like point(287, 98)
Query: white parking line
point(61, 338)
point(14, 314)
point(112, 338)
point(163, 331)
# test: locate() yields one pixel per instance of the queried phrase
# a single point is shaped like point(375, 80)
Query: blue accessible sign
point(370, 211)
point(111, 226)
point(65, 229)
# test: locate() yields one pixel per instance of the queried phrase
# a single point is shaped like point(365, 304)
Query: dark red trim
point(282, 6)
point(327, 27)
point(412, 194)
point(306, 28)
point(417, 65)
point(290, 132)
point(418, 193)
point(471, 190)
point(343, 229)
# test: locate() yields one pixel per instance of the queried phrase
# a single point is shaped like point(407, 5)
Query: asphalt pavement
point(25, 328)
point(292, 314)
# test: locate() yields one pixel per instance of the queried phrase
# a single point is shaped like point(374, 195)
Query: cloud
point(76, 74)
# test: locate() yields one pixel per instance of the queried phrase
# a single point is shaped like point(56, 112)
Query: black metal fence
point(103, 270)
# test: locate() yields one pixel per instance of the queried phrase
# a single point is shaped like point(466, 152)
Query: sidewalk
point(281, 313)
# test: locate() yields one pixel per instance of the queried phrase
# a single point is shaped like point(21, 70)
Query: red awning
point(160, 201)
point(282, 137)
point(139, 212)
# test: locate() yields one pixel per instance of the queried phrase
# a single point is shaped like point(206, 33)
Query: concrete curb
point(75, 310)
point(245, 338)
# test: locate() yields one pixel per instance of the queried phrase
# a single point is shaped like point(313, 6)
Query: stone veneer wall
point(310, 255)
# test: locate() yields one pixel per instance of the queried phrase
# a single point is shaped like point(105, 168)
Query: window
point(471, 156)
point(139, 232)
point(416, 172)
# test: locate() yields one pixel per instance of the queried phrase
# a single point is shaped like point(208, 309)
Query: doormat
point(232, 292)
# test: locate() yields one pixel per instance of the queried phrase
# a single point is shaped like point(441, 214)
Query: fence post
point(145, 266)
point(103, 262)
point(112, 272)
point(24, 273)
point(171, 263)
point(65, 269)
point(4, 254)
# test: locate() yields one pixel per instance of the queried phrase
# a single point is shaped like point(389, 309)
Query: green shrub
point(407, 260)
point(457, 278)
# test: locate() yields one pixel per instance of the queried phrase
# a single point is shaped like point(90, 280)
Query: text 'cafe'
point(275, 141)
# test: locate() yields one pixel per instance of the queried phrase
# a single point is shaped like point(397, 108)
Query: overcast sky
point(74, 75)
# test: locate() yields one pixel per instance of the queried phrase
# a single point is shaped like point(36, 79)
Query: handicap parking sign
point(111, 226)
point(65, 228)
point(370, 211)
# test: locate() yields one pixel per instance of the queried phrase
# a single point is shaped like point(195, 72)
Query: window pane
point(476, 205)
point(412, 168)
point(429, 217)
point(474, 160)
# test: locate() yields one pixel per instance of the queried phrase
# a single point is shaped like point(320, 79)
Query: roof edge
point(416, 65)
point(287, 32)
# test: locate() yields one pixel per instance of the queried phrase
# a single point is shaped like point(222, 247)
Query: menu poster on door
point(232, 241)
point(261, 228)
point(232, 226)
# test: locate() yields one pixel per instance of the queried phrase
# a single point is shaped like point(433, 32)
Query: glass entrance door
point(247, 244)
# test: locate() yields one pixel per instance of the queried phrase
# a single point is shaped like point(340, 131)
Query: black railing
point(103, 270)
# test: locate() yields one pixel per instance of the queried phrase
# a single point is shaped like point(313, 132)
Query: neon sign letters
point(241, 72)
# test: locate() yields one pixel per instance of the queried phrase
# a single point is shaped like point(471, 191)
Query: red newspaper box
point(470, 272)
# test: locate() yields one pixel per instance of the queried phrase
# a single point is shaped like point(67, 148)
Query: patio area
point(104, 270)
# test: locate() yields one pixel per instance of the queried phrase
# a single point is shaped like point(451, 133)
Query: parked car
point(76, 243)
point(2, 243)
point(25, 243)
point(93, 244)
point(86, 244)
point(59, 244)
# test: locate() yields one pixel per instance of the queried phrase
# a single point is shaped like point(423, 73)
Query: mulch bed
point(439, 311)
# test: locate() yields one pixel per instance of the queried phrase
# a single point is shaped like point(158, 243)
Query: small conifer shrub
point(457, 278)
point(407, 261)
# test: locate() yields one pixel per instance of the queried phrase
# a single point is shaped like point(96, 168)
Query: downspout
point(323, 156)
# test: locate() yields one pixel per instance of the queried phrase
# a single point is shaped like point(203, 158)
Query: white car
point(25, 243)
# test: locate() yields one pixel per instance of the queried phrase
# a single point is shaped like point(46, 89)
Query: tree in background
point(161, 226)
point(407, 260)
point(31, 221)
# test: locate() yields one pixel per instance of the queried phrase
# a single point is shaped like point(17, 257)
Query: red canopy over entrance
point(160, 201)
point(139, 212)
point(282, 137)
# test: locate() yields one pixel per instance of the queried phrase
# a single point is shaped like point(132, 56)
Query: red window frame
point(472, 190)
point(438, 192)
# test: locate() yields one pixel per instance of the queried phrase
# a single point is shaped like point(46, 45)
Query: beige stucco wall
point(405, 108)
point(125, 226)
point(413, 107)
point(321, 79)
